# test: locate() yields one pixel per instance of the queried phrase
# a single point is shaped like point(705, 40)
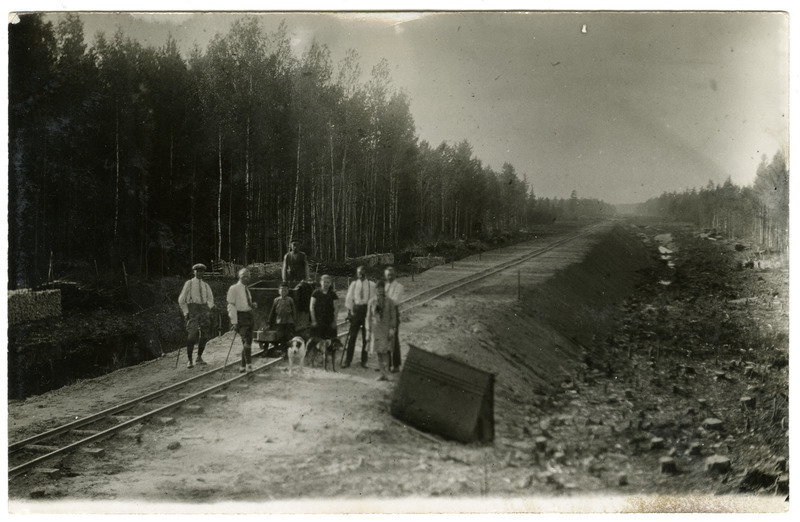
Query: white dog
point(296, 353)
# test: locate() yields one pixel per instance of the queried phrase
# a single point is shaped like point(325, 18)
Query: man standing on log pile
point(295, 264)
point(297, 274)
point(196, 300)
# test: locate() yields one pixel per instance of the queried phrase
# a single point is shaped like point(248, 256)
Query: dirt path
point(568, 436)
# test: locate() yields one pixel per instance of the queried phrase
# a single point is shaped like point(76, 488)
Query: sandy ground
point(323, 435)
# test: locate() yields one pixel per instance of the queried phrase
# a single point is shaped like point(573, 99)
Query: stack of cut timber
point(427, 262)
point(27, 305)
point(372, 260)
point(260, 271)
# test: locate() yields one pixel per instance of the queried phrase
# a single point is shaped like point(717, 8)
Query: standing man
point(195, 300)
point(295, 264)
point(358, 295)
point(240, 311)
point(394, 291)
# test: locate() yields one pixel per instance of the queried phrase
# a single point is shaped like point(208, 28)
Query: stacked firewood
point(28, 305)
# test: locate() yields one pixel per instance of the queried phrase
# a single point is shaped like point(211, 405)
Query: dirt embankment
point(603, 370)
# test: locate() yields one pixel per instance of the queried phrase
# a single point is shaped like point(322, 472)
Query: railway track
point(27, 454)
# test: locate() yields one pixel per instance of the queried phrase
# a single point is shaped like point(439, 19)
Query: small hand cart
point(267, 339)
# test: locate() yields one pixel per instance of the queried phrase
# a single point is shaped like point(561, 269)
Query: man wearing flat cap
point(196, 300)
point(295, 264)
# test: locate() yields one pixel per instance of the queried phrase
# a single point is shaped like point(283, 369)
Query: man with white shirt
point(394, 291)
point(358, 295)
point(240, 311)
point(195, 300)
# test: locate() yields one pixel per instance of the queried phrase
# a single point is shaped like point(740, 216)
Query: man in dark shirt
point(295, 264)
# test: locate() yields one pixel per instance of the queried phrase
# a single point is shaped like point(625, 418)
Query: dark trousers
point(285, 334)
point(395, 362)
point(357, 321)
point(245, 329)
point(198, 329)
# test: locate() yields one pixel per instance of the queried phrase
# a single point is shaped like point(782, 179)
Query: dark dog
point(330, 350)
point(313, 349)
point(325, 347)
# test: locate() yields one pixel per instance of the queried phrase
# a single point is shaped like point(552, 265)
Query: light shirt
point(359, 293)
point(239, 300)
point(195, 291)
point(394, 291)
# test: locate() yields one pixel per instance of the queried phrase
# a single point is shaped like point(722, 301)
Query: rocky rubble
point(689, 393)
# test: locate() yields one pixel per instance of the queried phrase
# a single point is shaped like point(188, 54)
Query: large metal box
point(446, 397)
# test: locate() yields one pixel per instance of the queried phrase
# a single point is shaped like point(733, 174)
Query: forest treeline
point(126, 154)
point(758, 212)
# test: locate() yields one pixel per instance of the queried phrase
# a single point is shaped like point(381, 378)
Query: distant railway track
point(27, 454)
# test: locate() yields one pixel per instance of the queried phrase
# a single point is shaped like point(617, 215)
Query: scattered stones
point(525, 482)
point(718, 464)
point(695, 448)
point(94, 452)
point(540, 443)
point(551, 478)
point(622, 479)
point(712, 423)
point(672, 452)
point(747, 402)
point(702, 402)
point(193, 408)
point(750, 371)
point(173, 445)
point(720, 376)
point(657, 443)
point(667, 465)
point(559, 457)
point(782, 485)
point(690, 411)
point(51, 473)
point(166, 421)
point(757, 479)
point(218, 397)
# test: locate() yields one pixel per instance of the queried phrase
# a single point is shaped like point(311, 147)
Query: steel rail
point(16, 446)
point(431, 294)
point(136, 420)
point(409, 303)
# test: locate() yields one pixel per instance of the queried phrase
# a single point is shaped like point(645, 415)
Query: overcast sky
point(618, 106)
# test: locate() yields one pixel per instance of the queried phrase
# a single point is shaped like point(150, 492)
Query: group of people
point(372, 310)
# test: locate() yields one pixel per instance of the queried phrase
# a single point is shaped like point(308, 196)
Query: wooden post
point(125, 273)
point(96, 271)
point(413, 270)
point(519, 285)
point(50, 270)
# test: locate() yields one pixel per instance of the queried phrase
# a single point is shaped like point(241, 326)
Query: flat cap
point(199, 266)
